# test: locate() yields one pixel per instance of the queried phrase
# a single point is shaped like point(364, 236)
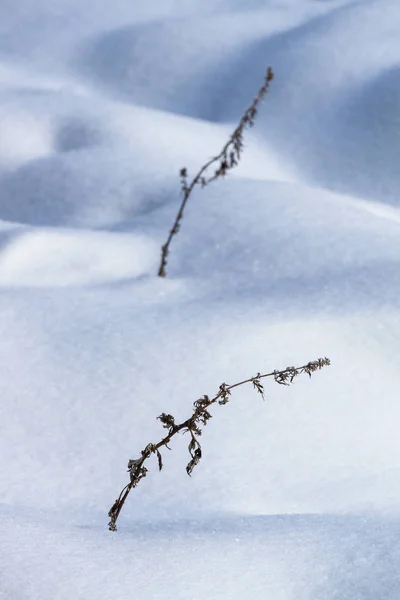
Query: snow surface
point(295, 255)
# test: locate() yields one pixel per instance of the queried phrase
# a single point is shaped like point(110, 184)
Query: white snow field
point(295, 255)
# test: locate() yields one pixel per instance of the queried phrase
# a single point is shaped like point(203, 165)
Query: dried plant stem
point(199, 417)
point(227, 159)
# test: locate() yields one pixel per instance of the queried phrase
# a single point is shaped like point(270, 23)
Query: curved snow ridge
point(62, 258)
point(43, 116)
point(102, 175)
point(173, 64)
point(184, 64)
point(345, 203)
point(290, 239)
point(389, 213)
point(323, 110)
point(332, 108)
point(22, 138)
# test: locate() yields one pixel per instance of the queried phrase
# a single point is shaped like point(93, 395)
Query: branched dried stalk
point(227, 159)
point(200, 417)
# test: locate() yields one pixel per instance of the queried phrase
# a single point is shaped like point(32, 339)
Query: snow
point(293, 256)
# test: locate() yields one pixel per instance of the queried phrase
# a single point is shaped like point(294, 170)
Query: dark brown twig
point(227, 159)
point(200, 417)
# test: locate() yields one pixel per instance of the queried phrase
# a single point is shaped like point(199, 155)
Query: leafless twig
point(200, 417)
point(227, 159)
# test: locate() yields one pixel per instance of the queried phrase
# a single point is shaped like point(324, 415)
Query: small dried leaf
point(201, 403)
point(194, 462)
point(160, 462)
point(148, 450)
point(136, 471)
point(196, 429)
point(192, 445)
point(259, 386)
point(224, 394)
point(168, 421)
point(133, 463)
point(113, 509)
point(204, 417)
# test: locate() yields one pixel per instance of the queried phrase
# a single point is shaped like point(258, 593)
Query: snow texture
point(295, 255)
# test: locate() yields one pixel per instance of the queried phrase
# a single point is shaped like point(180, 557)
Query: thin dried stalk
point(227, 159)
point(200, 417)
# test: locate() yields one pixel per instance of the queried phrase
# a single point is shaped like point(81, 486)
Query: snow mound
point(62, 258)
point(294, 256)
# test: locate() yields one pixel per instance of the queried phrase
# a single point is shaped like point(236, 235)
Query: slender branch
point(227, 159)
point(200, 417)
